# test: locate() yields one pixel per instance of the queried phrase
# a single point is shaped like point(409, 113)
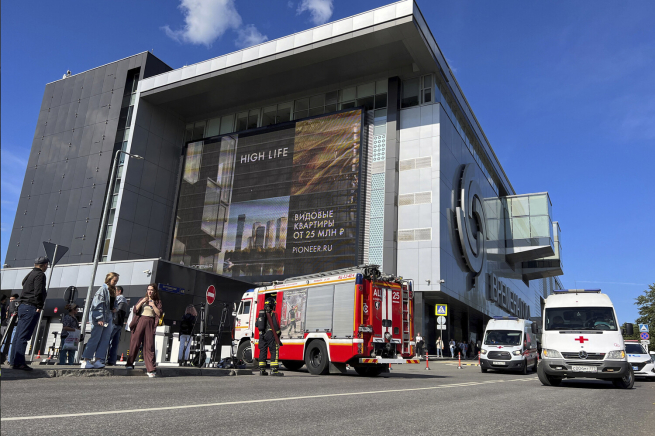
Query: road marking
point(232, 403)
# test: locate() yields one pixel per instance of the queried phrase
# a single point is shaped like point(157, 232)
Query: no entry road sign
point(211, 294)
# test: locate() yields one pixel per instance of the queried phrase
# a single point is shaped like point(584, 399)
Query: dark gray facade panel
point(149, 177)
point(115, 103)
point(62, 206)
point(153, 246)
point(138, 240)
point(77, 87)
point(143, 210)
point(67, 96)
point(92, 110)
point(122, 235)
point(62, 114)
point(73, 205)
point(153, 149)
point(57, 94)
point(87, 86)
point(80, 115)
point(91, 237)
point(76, 242)
point(110, 77)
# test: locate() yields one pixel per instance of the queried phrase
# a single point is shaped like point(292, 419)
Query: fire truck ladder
point(406, 322)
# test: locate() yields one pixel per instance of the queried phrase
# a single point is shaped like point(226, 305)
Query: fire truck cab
point(356, 316)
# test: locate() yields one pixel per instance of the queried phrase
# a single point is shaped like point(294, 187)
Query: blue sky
point(564, 90)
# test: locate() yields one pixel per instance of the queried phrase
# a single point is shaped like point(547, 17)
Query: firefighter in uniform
point(269, 337)
point(292, 319)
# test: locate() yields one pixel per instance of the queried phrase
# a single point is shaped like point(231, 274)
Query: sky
point(564, 90)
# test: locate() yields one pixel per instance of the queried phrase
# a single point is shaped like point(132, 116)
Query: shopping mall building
point(344, 144)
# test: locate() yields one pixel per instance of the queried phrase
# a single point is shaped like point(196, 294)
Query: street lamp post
point(103, 225)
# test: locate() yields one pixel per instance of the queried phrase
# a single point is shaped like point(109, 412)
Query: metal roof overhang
point(394, 46)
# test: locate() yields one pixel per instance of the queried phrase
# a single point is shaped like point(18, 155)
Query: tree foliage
point(646, 305)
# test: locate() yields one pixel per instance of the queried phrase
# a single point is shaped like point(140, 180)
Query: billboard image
point(273, 202)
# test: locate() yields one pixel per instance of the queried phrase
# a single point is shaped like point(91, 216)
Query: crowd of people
point(108, 315)
point(467, 350)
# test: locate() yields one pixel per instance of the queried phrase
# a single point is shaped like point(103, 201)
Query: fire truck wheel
point(369, 371)
point(316, 358)
point(244, 352)
point(292, 365)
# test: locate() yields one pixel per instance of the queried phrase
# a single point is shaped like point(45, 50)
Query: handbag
point(72, 340)
point(135, 320)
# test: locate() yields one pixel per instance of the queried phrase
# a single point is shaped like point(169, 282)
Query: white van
point(582, 338)
point(509, 343)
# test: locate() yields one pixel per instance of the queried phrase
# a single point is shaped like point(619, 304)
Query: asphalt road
point(409, 400)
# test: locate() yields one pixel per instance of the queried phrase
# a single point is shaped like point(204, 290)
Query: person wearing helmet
point(269, 337)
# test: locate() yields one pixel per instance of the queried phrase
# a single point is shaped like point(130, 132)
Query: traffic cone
point(122, 355)
point(38, 356)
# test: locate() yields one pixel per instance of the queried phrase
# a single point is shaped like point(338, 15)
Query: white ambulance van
point(582, 338)
point(509, 343)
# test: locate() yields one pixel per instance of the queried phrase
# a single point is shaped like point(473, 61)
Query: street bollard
point(427, 365)
point(479, 363)
point(459, 360)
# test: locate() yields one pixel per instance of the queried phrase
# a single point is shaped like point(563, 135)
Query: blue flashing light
point(576, 291)
point(514, 318)
point(359, 279)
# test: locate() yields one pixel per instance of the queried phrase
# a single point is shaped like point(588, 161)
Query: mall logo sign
point(470, 220)
point(499, 293)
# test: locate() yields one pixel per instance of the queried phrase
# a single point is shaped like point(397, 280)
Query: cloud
point(249, 36)
point(205, 21)
point(320, 10)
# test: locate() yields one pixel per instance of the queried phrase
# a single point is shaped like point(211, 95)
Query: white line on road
point(231, 403)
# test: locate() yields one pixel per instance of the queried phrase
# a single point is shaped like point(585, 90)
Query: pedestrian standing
point(419, 344)
point(31, 302)
point(102, 324)
point(70, 324)
point(472, 349)
point(269, 337)
point(186, 330)
point(119, 315)
point(3, 315)
point(12, 310)
point(464, 347)
point(452, 348)
point(439, 347)
point(148, 310)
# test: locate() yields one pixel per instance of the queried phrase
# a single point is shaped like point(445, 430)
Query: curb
point(11, 374)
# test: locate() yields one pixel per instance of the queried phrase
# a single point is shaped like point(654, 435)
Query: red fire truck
point(357, 316)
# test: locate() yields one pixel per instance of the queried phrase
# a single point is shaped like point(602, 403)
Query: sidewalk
point(113, 371)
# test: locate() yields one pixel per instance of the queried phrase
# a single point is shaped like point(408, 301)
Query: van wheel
point(244, 352)
point(316, 358)
point(293, 365)
point(536, 363)
point(545, 379)
point(524, 371)
point(483, 369)
point(626, 382)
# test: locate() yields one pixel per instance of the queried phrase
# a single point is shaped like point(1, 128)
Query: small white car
point(643, 364)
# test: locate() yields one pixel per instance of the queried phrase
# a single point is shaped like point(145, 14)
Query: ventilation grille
point(413, 164)
point(410, 235)
point(379, 148)
point(415, 198)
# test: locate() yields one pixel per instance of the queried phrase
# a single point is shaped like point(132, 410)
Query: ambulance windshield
point(502, 337)
point(580, 318)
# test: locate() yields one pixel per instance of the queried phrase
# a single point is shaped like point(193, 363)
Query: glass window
point(331, 97)
point(227, 124)
point(580, 318)
point(367, 102)
point(253, 118)
point(381, 86)
point(540, 227)
point(246, 307)
point(317, 101)
point(347, 105)
point(521, 228)
point(199, 130)
point(316, 111)
point(539, 204)
point(302, 105)
point(268, 115)
point(189, 133)
point(330, 108)
point(380, 101)
point(283, 112)
point(520, 206)
point(410, 93)
point(213, 127)
point(300, 114)
point(242, 121)
point(347, 94)
point(126, 100)
point(366, 90)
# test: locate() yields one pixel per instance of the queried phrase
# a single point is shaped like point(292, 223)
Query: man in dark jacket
point(269, 337)
point(120, 312)
point(31, 302)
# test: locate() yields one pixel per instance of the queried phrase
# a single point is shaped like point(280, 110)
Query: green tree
point(646, 305)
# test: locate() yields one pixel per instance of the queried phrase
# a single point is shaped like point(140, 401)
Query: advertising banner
point(273, 202)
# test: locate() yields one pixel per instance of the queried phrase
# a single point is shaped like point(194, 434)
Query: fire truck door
point(387, 312)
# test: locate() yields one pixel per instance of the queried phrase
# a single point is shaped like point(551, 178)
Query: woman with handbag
point(101, 324)
point(144, 323)
point(70, 324)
